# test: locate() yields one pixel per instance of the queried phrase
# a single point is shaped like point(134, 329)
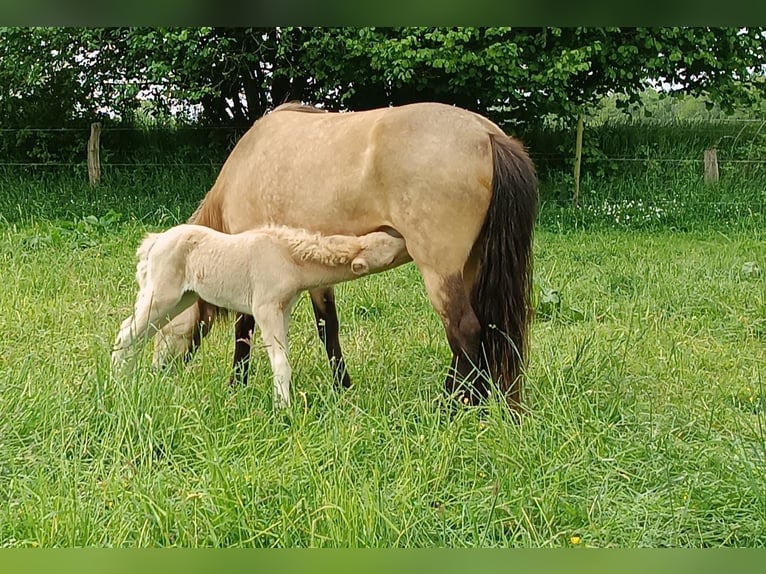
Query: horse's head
point(379, 252)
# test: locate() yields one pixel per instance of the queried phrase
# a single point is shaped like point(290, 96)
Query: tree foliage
point(233, 75)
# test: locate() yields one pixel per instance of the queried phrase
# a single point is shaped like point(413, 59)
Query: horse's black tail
point(501, 295)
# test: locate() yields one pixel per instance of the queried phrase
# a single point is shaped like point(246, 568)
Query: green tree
point(522, 75)
point(514, 75)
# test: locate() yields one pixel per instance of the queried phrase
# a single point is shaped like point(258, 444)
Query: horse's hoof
point(236, 382)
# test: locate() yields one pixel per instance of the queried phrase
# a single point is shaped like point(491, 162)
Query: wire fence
point(738, 141)
point(640, 174)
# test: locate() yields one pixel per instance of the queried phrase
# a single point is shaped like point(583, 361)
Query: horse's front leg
point(323, 302)
point(273, 321)
point(244, 327)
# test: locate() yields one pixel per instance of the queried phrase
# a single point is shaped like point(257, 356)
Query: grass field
point(645, 397)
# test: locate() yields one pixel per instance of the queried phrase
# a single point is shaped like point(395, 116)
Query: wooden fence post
point(578, 158)
point(94, 161)
point(711, 165)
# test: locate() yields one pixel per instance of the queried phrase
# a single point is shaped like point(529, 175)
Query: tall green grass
point(650, 175)
point(617, 148)
point(645, 397)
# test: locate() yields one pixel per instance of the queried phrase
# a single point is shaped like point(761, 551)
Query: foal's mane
point(329, 250)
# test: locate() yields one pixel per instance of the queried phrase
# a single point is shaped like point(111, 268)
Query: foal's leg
point(206, 314)
point(323, 302)
point(273, 322)
point(132, 330)
point(152, 312)
point(183, 335)
point(244, 327)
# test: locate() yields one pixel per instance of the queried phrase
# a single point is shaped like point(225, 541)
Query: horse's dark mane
point(298, 107)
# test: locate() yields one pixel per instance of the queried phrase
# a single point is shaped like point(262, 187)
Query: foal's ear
point(359, 266)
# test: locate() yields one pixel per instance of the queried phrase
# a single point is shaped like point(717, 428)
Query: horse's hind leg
point(326, 314)
point(244, 326)
point(451, 300)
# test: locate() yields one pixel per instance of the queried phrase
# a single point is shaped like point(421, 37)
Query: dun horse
point(260, 272)
point(461, 192)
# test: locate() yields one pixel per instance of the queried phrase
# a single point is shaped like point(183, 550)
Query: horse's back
point(356, 172)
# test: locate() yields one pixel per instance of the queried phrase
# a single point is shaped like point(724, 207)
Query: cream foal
point(260, 272)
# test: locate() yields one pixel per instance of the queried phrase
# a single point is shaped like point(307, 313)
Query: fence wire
point(755, 152)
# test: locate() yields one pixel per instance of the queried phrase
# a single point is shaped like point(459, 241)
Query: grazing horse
point(461, 192)
point(260, 272)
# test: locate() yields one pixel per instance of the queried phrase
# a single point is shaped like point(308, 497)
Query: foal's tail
point(142, 253)
point(209, 214)
point(502, 292)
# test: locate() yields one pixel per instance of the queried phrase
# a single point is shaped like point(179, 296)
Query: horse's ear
point(359, 266)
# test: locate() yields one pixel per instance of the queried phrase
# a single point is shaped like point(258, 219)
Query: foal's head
point(379, 251)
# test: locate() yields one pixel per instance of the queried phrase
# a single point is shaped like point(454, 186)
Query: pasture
point(645, 394)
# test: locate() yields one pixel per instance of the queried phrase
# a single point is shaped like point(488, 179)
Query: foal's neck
point(331, 251)
point(320, 274)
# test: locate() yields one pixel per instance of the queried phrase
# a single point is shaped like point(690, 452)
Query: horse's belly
point(349, 208)
point(323, 219)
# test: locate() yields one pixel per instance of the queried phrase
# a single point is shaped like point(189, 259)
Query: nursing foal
point(259, 272)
